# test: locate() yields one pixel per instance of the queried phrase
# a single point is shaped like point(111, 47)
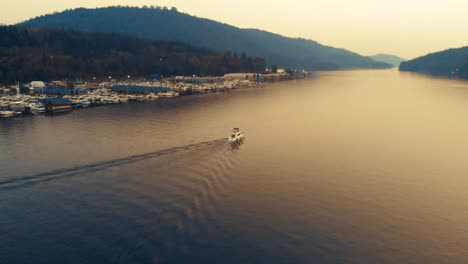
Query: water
point(347, 167)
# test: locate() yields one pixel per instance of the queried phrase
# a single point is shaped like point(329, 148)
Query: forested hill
point(451, 63)
point(164, 24)
point(31, 54)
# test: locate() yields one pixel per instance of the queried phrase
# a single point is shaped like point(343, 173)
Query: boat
point(168, 94)
point(85, 103)
point(4, 104)
point(7, 113)
point(236, 135)
point(37, 108)
point(17, 106)
point(55, 109)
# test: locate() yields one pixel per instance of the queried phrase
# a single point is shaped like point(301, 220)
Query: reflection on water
point(18, 181)
point(347, 167)
point(234, 146)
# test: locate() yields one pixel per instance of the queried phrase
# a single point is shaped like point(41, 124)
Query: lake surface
point(346, 167)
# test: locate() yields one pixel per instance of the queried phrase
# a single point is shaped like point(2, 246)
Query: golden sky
point(407, 28)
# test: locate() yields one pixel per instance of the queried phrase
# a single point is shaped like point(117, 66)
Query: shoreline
point(49, 100)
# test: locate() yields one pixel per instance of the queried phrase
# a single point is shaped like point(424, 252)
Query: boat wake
point(195, 189)
point(20, 181)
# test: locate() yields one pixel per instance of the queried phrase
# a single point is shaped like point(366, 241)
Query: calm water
point(347, 167)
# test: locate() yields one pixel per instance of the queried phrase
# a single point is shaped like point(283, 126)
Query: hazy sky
point(408, 28)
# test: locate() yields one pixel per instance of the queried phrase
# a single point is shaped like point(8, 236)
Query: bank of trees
point(30, 54)
point(452, 63)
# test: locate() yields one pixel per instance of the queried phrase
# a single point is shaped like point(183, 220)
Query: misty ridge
point(390, 59)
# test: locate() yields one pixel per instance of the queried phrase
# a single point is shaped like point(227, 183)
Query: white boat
point(85, 103)
point(37, 108)
point(151, 97)
point(17, 106)
point(7, 113)
point(4, 105)
point(236, 135)
point(168, 94)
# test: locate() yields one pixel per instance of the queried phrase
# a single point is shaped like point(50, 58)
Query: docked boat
point(85, 103)
point(7, 113)
point(4, 104)
point(168, 94)
point(236, 135)
point(17, 106)
point(55, 109)
point(37, 108)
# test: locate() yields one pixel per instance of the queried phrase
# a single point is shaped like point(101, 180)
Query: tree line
point(451, 63)
point(30, 54)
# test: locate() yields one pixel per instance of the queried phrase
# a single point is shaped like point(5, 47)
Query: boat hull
point(7, 113)
point(59, 109)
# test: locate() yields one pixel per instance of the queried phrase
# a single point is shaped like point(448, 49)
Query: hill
point(390, 59)
point(30, 54)
point(164, 24)
point(451, 63)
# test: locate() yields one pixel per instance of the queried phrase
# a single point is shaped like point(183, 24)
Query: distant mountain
point(30, 54)
point(390, 59)
point(171, 25)
point(451, 63)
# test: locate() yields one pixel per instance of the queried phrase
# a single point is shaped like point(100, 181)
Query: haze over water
point(346, 167)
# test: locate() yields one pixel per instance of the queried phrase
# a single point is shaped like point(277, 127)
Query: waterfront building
point(241, 76)
point(138, 89)
point(198, 80)
point(59, 91)
point(56, 105)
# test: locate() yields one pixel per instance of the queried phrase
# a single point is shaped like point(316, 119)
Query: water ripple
point(20, 181)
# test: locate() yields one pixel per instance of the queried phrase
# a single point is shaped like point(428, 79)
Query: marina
point(42, 99)
point(38, 97)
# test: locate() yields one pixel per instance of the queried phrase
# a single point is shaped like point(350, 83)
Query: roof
point(59, 91)
point(139, 88)
point(239, 74)
point(37, 84)
point(56, 101)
